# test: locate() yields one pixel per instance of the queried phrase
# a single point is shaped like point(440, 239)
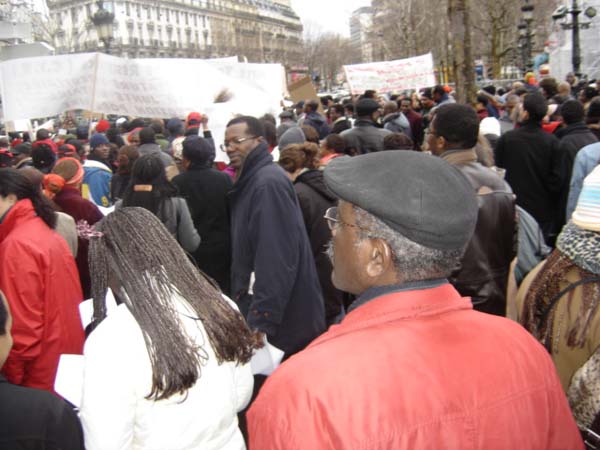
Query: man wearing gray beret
point(412, 365)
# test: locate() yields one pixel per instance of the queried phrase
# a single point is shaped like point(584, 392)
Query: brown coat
point(566, 359)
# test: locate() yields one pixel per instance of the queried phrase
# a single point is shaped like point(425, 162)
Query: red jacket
point(416, 370)
point(41, 283)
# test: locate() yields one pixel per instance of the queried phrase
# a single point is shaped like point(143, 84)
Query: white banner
point(49, 85)
point(391, 76)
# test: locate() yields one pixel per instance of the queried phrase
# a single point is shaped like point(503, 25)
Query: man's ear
point(380, 258)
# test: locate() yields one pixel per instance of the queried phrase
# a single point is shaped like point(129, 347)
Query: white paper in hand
point(266, 359)
point(69, 378)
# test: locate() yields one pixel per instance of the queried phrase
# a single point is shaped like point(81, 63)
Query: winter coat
point(273, 275)
point(397, 123)
point(567, 359)
point(315, 198)
point(573, 138)
point(40, 280)
point(586, 160)
point(118, 186)
point(175, 216)
point(33, 419)
point(71, 202)
point(205, 191)
point(416, 369)
point(318, 122)
point(96, 182)
point(484, 267)
point(116, 414)
point(532, 161)
point(365, 137)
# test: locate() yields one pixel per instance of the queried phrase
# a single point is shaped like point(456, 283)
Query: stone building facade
point(254, 30)
point(361, 23)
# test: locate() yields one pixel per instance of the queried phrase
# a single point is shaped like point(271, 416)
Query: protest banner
point(158, 88)
point(391, 76)
point(47, 86)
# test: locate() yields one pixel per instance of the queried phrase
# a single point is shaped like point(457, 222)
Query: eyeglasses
point(235, 141)
point(331, 215)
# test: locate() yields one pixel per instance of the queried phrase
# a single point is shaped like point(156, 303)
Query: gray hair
point(413, 261)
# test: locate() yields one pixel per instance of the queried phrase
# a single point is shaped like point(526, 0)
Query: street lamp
point(527, 10)
point(103, 21)
point(575, 25)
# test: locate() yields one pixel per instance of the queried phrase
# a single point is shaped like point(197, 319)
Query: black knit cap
point(422, 197)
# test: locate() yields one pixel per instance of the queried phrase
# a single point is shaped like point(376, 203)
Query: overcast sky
point(328, 15)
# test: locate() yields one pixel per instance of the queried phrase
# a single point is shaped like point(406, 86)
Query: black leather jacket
point(483, 273)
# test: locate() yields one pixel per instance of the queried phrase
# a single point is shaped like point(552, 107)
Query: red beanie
point(102, 126)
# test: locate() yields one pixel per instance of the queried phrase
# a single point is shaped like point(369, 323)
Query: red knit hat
point(102, 126)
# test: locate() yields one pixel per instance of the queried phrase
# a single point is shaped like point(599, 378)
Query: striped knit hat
point(587, 213)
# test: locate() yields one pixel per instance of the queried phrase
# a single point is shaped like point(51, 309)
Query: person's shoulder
point(23, 400)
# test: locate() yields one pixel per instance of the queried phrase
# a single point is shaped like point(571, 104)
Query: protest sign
point(391, 76)
point(302, 90)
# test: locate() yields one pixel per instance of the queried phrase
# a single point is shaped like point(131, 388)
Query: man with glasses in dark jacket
point(273, 276)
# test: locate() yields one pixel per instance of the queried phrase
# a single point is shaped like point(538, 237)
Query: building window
point(195, 20)
point(127, 9)
point(168, 15)
point(138, 10)
point(148, 13)
point(187, 22)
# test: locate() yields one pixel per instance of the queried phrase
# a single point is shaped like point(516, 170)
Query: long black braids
point(151, 267)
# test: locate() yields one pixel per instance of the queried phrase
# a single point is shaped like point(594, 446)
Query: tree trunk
point(460, 40)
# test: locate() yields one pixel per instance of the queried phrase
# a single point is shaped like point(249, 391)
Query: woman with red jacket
point(63, 186)
point(40, 281)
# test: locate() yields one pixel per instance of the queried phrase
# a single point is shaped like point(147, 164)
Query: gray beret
point(422, 197)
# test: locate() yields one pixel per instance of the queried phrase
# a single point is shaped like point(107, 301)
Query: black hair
point(458, 124)
point(270, 133)
point(78, 146)
point(490, 89)
point(43, 158)
point(340, 109)
point(397, 141)
point(483, 99)
point(572, 112)
point(590, 92)
point(253, 125)
point(152, 269)
point(158, 126)
point(82, 132)
point(42, 134)
point(269, 118)
point(147, 136)
point(197, 151)
point(369, 93)
point(336, 143)
point(136, 123)
point(537, 107)
point(427, 93)
point(14, 182)
point(313, 104)
point(3, 315)
point(349, 107)
point(149, 170)
point(550, 86)
point(438, 89)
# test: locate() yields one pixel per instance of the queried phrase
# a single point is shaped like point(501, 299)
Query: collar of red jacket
point(404, 305)
point(22, 210)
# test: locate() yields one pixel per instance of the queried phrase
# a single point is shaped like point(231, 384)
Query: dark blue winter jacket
point(318, 122)
point(273, 275)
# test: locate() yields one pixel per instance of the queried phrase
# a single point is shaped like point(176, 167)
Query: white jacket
point(118, 376)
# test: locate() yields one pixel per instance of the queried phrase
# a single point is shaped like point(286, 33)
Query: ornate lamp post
point(103, 21)
point(527, 10)
point(575, 25)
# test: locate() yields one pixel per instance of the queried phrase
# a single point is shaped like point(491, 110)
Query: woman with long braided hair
point(168, 368)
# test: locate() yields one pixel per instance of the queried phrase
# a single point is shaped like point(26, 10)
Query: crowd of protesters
point(428, 269)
